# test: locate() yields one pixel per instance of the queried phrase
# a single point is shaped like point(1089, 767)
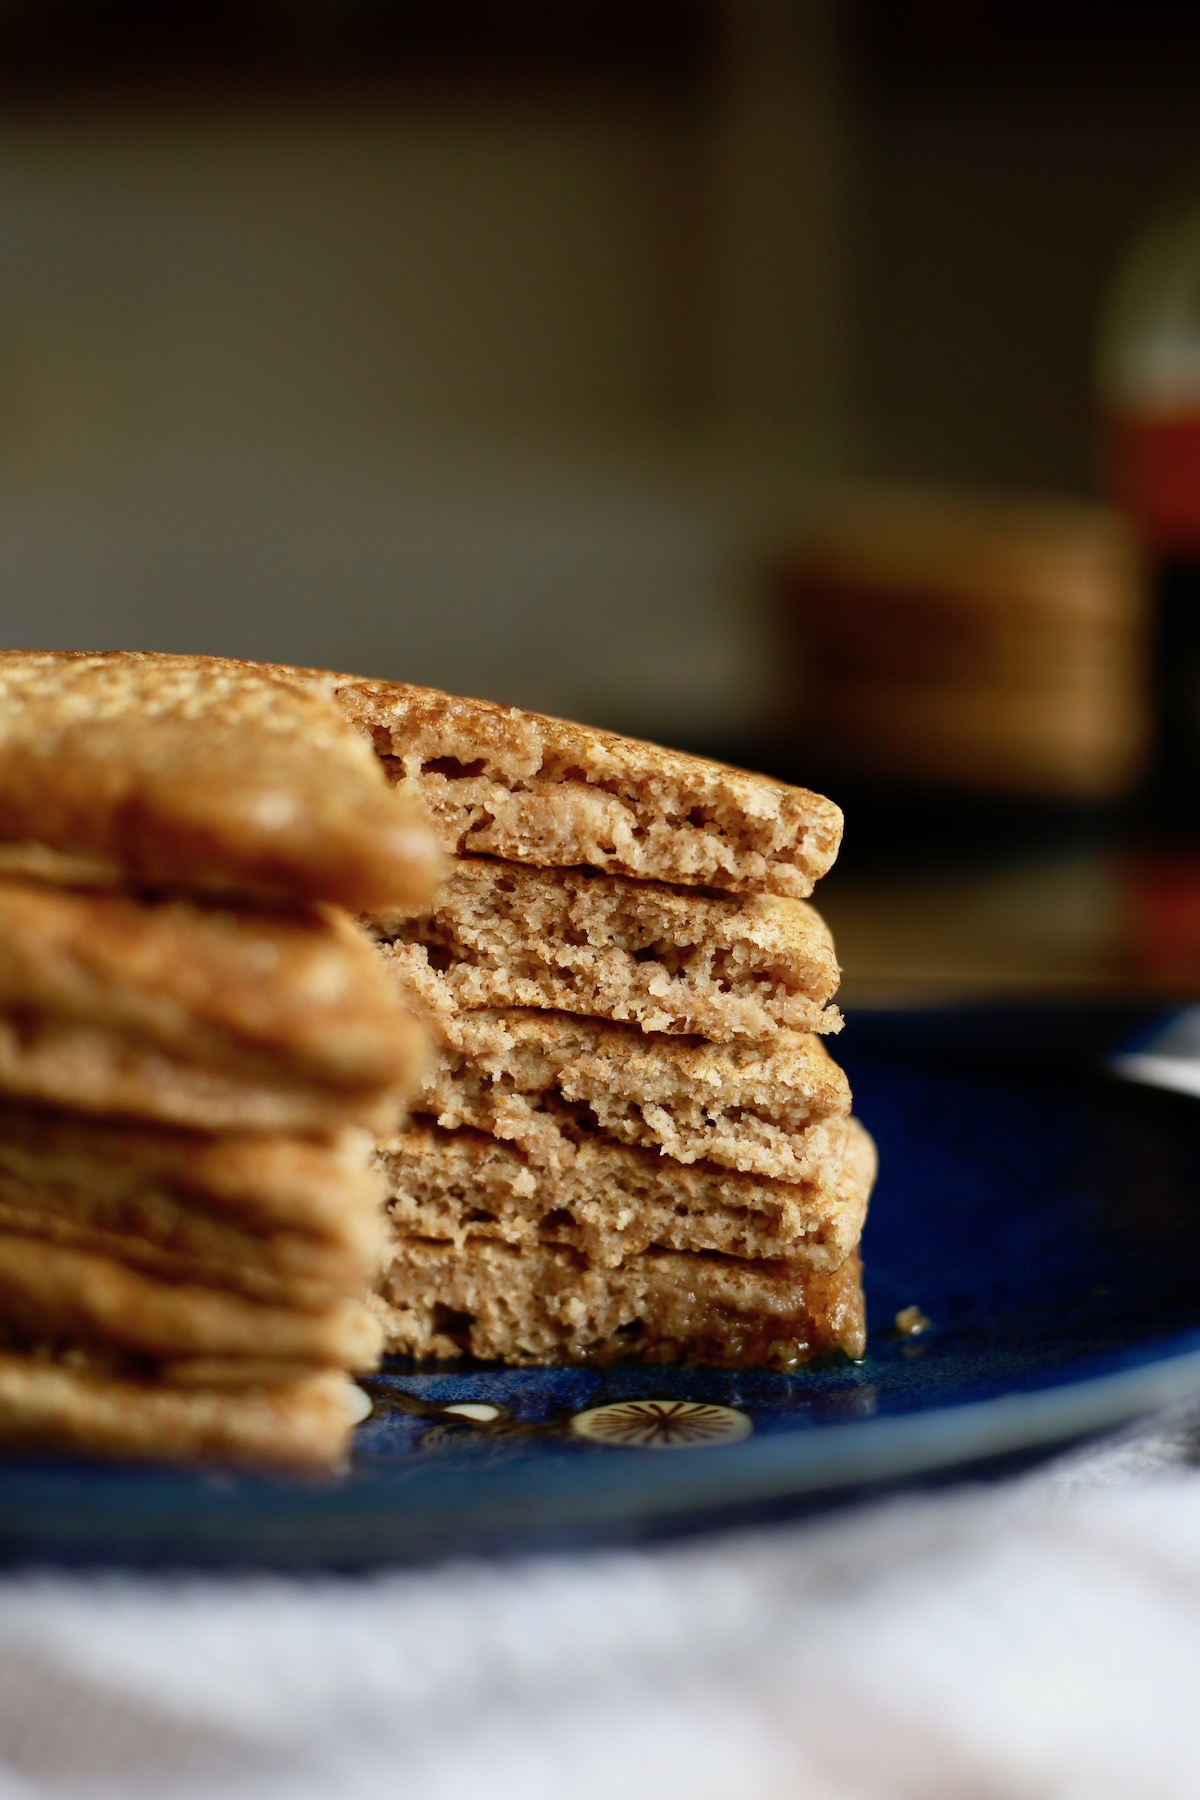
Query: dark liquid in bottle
point(1173, 789)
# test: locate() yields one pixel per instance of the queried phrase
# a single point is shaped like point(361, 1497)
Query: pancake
point(201, 775)
point(612, 1202)
point(198, 1015)
point(48, 1291)
point(289, 1221)
point(547, 1081)
point(502, 782)
point(95, 1167)
point(548, 1305)
point(573, 940)
point(301, 1424)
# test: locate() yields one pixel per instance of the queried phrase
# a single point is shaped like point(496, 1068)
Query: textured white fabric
point(1039, 1639)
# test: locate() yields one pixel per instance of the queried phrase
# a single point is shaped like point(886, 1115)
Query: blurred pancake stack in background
point(198, 1048)
point(966, 644)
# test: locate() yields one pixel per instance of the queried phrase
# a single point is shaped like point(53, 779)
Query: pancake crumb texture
point(502, 782)
point(546, 1305)
point(611, 1202)
point(546, 1081)
point(571, 940)
point(633, 1144)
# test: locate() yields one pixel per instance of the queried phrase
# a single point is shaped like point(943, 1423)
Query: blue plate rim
point(366, 1524)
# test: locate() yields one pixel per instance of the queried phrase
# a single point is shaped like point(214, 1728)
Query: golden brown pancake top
point(202, 775)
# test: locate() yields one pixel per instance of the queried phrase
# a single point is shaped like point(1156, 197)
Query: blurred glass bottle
point(1149, 381)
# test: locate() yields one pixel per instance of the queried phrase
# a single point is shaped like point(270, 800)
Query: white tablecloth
point(1039, 1638)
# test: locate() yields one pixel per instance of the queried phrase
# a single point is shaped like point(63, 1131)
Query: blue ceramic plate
point(1043, 1217)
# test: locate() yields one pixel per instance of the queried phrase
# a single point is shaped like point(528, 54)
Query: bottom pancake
point(547, 1304)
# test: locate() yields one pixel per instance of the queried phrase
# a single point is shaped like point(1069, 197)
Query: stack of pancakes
point(633, 1142)
point(198, 1050)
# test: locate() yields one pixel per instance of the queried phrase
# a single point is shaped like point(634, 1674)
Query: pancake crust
point(573, 940)
point(75, 1296)
point(291, 1222)
point(318, 1187)
point(546, 1081)
point(198, 1015)
point(302, 1424)
point(519, 785)
point(52, 1064)
point(189, 1248)
point(548, 1305)
point(613, 1202)
point(203, 775)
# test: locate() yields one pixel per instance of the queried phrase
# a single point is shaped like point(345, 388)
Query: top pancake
point(501, 782)
point(202, 775)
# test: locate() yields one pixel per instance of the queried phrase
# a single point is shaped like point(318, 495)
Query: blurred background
point(814, 384)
